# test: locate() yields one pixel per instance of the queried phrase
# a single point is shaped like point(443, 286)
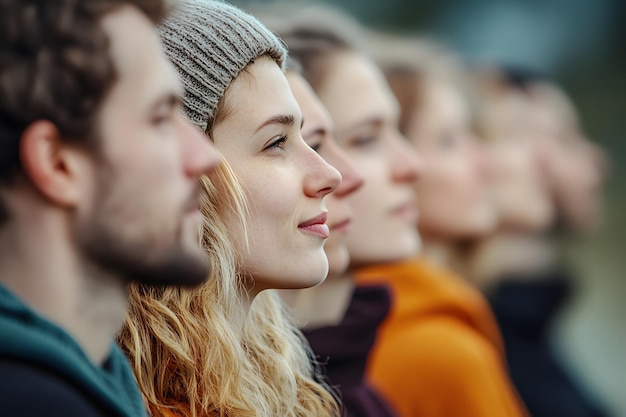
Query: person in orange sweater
point(439, 352)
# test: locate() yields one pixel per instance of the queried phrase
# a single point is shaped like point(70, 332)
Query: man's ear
point(50, 163)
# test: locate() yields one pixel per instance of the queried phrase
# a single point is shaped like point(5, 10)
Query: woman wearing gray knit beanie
point(227, 348)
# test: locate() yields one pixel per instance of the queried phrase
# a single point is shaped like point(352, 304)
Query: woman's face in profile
point(576, 167)
point(318, 132)
point(453, 193)
point(521, 193)
point(284, 180)
point(365, 114)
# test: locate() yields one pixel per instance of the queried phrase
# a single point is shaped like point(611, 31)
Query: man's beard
point(133, 262)
point(146, 259)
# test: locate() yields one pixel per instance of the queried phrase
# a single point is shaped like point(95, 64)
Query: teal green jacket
point(28, 338)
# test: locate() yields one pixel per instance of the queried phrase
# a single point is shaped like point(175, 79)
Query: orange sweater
point(439, 352)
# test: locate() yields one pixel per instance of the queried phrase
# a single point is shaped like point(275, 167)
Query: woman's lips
point(406, 211)
point(316, 226)
point(341, 226)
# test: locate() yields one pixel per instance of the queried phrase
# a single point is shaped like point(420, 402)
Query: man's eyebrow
point(280, 119)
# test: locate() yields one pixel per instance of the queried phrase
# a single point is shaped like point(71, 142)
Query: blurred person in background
point(576, 168)
point(548, 180)
point(434, 92)
point(227, 347)
point(459, 342)
point(99, 189)
point(520, 191)
point(427, 359)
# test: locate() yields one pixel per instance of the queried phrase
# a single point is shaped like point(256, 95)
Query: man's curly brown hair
point(55, 65)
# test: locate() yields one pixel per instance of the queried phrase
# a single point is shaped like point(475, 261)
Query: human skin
point(285, 181)
point(577, 167)
point(521, 194)
point(86, 220)
point(366, 114)
point(454, 203)
point(318, 132)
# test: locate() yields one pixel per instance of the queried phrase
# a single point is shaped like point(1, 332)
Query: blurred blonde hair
point(195, 352)
point(314, 33)
point(494, 85)
point(410, 63)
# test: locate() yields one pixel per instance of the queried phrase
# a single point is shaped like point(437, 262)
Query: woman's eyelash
point(278, 143)
point(160, 118)
point(363, 140)
point(316, 147)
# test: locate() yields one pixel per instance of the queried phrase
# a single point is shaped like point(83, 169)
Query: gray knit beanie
point(210, 42)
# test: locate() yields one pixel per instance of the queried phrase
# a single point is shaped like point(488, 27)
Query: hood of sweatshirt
point(30, 338)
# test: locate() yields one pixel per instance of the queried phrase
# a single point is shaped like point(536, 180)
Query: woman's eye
point(364, 140)
point(315, 146)
point(279, 143)
point(448, 141)
point(160, 119)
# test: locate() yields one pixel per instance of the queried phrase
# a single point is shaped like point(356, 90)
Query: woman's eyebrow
point(280, 119)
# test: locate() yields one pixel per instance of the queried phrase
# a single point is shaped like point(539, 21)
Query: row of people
point(296, 172)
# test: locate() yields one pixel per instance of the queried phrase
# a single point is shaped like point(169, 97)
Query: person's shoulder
point(26, 390)
point(458, 343)
point(440, 341)
point(441, 353)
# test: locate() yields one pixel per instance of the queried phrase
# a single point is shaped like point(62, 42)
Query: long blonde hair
point(186, 347)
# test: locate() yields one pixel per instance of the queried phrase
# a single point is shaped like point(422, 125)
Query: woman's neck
point(442, 253)
point(452, 255)
point(320, 306)
point(509, 253)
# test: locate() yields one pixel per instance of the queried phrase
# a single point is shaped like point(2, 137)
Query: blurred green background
point(580, 44)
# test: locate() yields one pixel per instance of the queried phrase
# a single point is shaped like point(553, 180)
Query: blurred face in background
point(318, 133)
point(453, 191)
point(366, 114)
point(576, 167)
point(520, 192)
